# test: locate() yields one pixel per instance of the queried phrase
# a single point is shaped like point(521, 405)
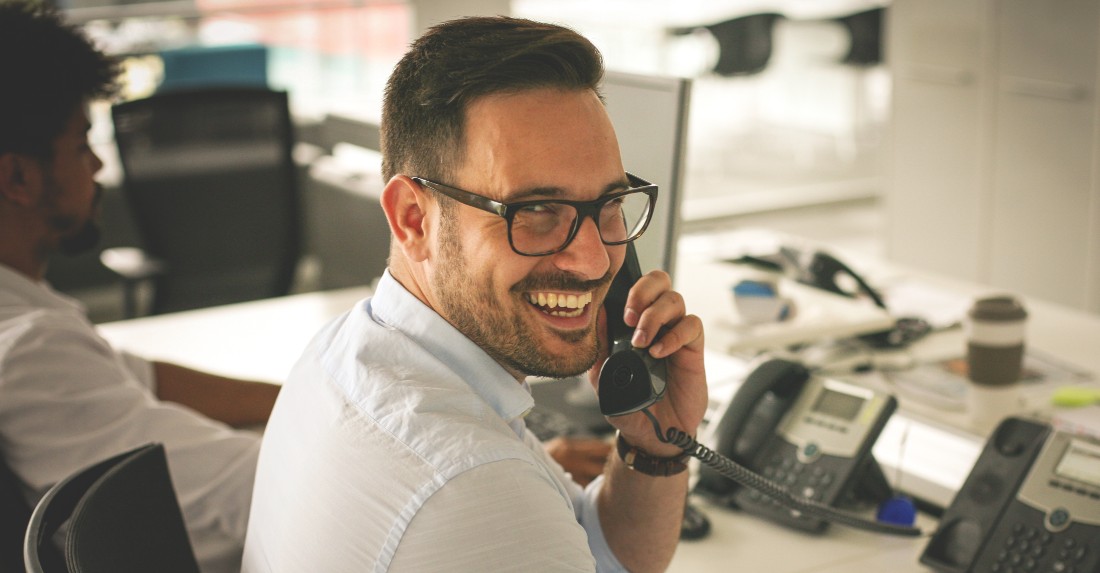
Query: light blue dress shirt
point(397, 444)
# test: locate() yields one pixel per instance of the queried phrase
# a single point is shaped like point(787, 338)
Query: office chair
point(865, 33)
point(214, 191)
point(123, 518)
point(744, 43)
point(15, 514)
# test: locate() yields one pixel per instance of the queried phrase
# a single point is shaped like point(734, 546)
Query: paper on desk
point(818, 315)
point(940, 308)
point(1084, 421)
point(944, 384)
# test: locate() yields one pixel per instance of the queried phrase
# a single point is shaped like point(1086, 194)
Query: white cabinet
point(995, 159)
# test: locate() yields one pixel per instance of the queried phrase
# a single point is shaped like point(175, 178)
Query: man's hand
point(584, 458)
point(651, 305)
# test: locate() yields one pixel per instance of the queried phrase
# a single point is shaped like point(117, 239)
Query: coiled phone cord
point(742, 475)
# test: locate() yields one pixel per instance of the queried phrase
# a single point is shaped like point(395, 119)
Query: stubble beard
point(506, 338)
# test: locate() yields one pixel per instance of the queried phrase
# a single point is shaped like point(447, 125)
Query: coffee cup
point(995, 329)
point(995, 340)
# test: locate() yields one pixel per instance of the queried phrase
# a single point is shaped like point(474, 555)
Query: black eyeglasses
point(545, 227)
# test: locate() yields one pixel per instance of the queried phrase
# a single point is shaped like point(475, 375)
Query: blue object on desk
point(898, 510)
point(758, 301)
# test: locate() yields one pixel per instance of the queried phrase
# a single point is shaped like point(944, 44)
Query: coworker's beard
point(493, 326)
point(82, 241)
point(83, 236)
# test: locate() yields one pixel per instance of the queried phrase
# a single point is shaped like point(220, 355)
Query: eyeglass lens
point(546, 227)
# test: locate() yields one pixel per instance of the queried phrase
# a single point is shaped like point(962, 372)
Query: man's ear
point(407, 208)
point(18, 174)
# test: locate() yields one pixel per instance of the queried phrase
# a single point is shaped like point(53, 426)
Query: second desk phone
point(1031, 503)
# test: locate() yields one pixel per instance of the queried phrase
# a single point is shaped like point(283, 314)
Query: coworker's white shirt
point(399, 445)
point(68, 400)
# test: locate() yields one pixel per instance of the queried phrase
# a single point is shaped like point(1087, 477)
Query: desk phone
point(820, 450)
point(815, 439)
point(811, 435)
point(1031, 503)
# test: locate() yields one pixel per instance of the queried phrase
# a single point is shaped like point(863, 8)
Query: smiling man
point(398, 444)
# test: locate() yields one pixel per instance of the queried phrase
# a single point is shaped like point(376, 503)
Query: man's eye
point(539, 209)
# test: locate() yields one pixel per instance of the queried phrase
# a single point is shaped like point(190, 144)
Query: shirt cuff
point(589, 517)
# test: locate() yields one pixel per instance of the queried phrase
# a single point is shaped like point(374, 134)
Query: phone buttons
point(1058, 519)
point(809, 452)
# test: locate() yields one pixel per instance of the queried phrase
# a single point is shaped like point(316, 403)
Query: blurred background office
point(956, 136)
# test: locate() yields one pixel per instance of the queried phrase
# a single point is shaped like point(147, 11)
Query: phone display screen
point(1081, 462)
point(838, 404)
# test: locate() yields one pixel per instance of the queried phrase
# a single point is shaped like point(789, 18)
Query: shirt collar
point(35, 293)
point(395, 307)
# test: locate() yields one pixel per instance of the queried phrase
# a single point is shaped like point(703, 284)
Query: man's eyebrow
point(557, 192)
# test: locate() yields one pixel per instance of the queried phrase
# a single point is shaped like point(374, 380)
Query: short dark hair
point(456, 62)
point(48, 69)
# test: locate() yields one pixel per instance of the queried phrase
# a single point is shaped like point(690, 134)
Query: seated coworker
point(67, 399)
point(398, 443)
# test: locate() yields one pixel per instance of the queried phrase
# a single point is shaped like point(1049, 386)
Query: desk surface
point(258, 340)
point(744, 543)
point(263, 339)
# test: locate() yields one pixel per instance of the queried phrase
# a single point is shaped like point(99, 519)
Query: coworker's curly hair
point(47, 69)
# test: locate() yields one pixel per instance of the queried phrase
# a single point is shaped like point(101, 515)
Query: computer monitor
point(650, 118)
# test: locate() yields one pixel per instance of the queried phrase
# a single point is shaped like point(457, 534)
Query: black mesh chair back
point(865, 35)
point(15, 513)
point(744, 44)
point(123, 517)
point(212, 186)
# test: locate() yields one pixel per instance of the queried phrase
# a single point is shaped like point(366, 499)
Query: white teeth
point(555, 300)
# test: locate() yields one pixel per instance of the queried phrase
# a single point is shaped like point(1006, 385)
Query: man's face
point(70, 196)
point(539, 144)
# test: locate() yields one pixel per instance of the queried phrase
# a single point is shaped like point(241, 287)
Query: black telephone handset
point(631, 380)
point(824, 271)
point(749, 420)
point(811, 435)
point(1030, 503)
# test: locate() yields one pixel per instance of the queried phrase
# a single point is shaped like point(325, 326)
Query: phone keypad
point(1029, 549)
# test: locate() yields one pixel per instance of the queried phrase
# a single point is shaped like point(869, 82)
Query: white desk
point(258, 340)
point(739, 542)
point(263, 339)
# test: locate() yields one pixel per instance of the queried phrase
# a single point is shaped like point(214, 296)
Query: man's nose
point(586, 255)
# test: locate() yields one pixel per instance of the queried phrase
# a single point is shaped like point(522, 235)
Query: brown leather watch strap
point(642, 462)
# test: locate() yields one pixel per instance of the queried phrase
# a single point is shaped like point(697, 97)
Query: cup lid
point(1003, 308)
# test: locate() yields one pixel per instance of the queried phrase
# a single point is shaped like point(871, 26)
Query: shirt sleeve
point(141, 369)
point(68, 400)
point(584, 507)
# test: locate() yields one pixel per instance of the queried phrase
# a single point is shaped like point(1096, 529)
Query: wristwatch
point(642, 462)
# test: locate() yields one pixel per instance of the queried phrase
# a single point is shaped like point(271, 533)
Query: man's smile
point(565, 305)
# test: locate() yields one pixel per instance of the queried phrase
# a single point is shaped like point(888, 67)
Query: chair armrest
point(135, 267)
point(131, 263)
